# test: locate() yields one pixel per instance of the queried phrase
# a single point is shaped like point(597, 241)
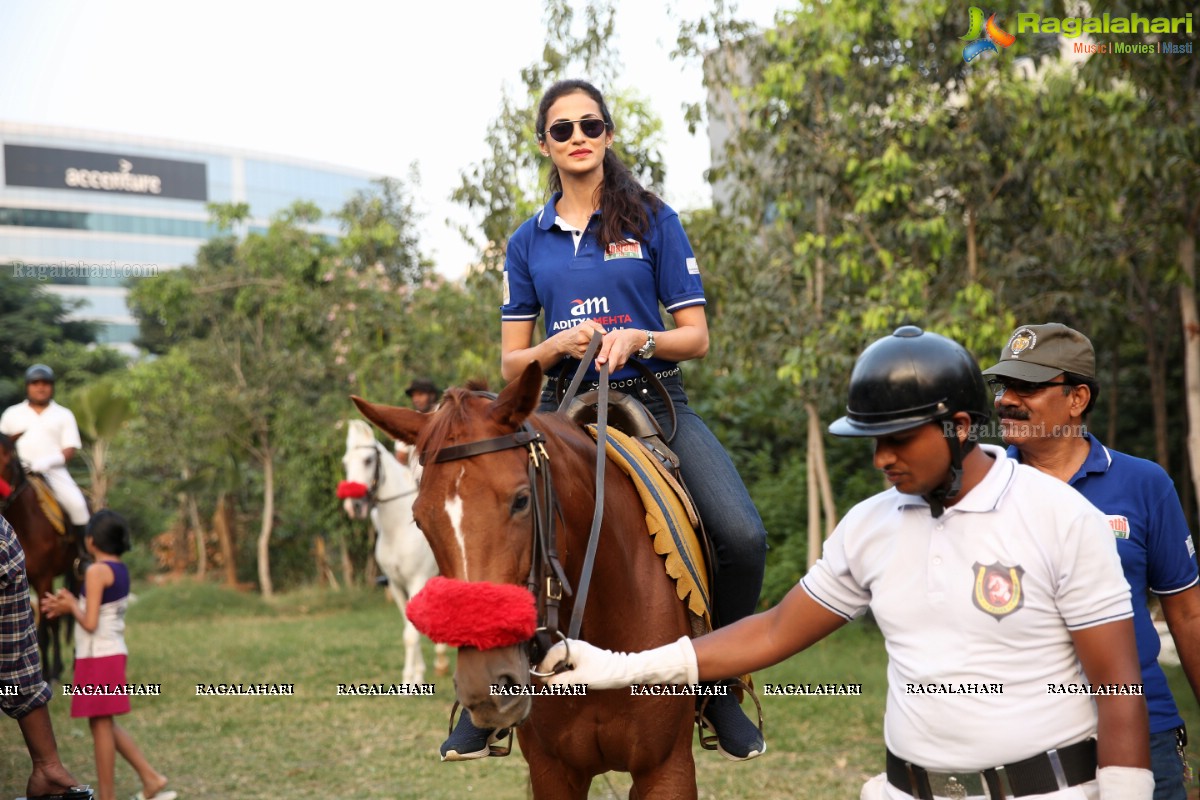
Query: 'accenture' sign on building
point(52, 168)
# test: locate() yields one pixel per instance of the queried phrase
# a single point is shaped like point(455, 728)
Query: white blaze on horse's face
point(454, 510)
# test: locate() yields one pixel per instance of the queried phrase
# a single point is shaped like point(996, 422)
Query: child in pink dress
point(100, 654)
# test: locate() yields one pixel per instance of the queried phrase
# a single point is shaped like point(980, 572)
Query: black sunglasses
point(592, 127)
point(1020, 388)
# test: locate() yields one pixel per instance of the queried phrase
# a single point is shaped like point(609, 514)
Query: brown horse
point(477, 513)
point(48, 553)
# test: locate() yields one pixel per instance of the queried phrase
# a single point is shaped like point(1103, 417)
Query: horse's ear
point(519, 398)
point(404, 424)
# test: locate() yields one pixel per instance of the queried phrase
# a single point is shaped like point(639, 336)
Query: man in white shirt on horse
point(46, 436)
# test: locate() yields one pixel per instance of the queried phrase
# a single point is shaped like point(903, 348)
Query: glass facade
point(88, 213)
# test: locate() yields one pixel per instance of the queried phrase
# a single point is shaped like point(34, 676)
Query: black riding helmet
point(39, 372)
point(911, 378)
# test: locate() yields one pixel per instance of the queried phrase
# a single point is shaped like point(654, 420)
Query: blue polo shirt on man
point(571, 276)
point(1155, 546)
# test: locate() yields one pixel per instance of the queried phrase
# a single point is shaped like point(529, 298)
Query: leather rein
point(547, 580)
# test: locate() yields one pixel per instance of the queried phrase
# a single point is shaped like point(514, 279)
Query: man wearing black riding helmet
point(999, 595)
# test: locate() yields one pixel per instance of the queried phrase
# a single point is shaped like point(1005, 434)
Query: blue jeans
point(1168, 768)
point(739, 540)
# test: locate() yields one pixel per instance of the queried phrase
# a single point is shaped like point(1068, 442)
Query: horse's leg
point(414, 663)
point(674, 777)
point(553, 780)
point(441, 661)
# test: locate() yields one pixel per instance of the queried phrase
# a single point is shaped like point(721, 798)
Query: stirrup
point(709, 739)
point(499, 742)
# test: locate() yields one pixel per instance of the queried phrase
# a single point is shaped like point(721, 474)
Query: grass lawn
point(318, 745)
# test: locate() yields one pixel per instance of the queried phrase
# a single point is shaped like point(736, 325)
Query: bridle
point(19, 483)
point(546, 580)
point(379, 478)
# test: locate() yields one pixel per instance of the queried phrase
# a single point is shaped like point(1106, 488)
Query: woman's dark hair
point(110, 532)
point(623, 201)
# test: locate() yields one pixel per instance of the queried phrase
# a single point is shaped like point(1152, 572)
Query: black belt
point(667, 376)
point(1041, 774)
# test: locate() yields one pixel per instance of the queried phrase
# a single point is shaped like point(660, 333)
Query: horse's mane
point(451, 413)
point(454, 412)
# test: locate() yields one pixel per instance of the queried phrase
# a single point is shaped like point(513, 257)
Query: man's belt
point(1046, 772)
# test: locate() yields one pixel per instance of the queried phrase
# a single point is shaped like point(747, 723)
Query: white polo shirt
point(44, 434)
point(983, 597)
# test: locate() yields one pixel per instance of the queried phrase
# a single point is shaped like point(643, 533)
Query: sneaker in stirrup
point(738, 739)
point(467, 742)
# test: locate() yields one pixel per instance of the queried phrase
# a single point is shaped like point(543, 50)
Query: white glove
point(47, 463)
point(604, 669)
point(1125, 783)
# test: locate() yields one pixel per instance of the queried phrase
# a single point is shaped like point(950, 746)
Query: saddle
point(638, 443)
point(48, 502)
point(635, 441)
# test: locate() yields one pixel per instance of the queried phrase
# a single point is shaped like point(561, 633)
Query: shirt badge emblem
point(998, 589)
point(1119, 525)
point(630, 248)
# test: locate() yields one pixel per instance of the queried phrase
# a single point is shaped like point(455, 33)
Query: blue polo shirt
point(1155, 546)
point(572, 277)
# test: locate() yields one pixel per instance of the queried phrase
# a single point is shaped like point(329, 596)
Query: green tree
point(251, 317)
point(36, 325)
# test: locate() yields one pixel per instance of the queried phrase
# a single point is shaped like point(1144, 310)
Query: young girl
point(100, 654)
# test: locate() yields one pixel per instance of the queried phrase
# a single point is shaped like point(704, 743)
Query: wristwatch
point(648, 348)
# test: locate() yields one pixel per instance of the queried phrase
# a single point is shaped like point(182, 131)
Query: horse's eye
point(519, 503)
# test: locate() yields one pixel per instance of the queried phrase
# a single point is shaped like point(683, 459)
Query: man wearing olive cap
point(1044, 386)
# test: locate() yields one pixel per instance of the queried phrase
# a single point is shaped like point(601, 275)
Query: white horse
point(387, 489)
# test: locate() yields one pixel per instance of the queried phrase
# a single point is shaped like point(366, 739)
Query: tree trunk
point(99, 475)
point(1191, 344)
point(180, 551)
point(828, 509)
point(347, 563)
point(268, 522)
point(820, 491)
point(223, 526)
point(1113, 392)
point(200, 534)
point(972, 253)
point(1157, 367)
point(325, 576)
point(814, 500)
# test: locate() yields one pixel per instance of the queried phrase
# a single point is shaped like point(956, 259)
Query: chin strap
point(949, 490)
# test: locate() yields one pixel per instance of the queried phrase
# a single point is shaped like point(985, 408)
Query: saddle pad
point(667, 517)
point(49, 504)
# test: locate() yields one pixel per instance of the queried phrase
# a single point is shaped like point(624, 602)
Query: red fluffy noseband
point(350, 490)
point(474, 613)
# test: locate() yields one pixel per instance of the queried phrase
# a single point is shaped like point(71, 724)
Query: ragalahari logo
point(983, 37)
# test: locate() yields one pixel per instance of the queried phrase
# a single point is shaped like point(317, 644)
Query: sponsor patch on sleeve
point(630, 248)
point(1119, 525)
point(692, 267)
point(505, 287)
point(1191, 547)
